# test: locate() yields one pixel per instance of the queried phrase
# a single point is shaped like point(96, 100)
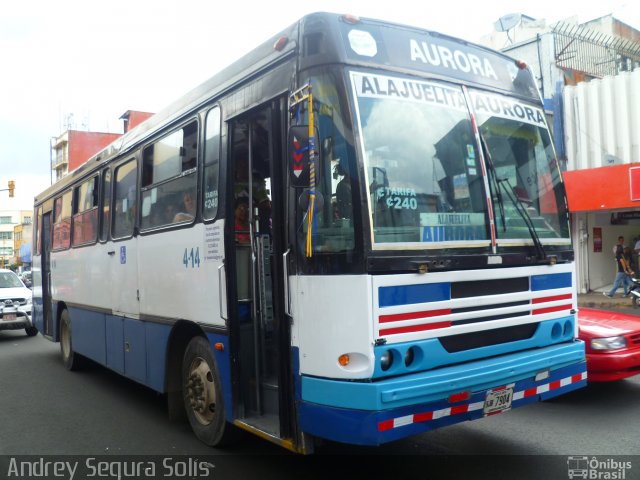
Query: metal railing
point(592, 52)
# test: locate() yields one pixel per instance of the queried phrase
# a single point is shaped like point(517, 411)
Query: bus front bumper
point(372, 413)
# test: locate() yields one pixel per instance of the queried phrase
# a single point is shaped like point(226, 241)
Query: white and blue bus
point(357, 232)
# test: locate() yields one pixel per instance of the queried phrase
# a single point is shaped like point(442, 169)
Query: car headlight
point(608, 343)
point(29, 300)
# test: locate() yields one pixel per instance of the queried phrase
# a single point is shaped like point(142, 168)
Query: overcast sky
point(95, 60)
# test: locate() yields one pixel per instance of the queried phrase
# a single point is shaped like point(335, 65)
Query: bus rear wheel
point(70, 359)
point(202, 394)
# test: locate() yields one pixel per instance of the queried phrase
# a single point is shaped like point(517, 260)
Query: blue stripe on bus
point(408, 294)
point(103, 337)
point(433, 385)
point(157, 334)
point(87, 329)
point(360, 427)
point(550, 281)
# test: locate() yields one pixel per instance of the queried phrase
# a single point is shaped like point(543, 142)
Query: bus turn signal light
point(343, 360)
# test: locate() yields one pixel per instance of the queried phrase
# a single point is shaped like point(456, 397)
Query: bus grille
point(471, 313)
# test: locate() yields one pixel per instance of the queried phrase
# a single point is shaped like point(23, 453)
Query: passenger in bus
point(259, 190)
point(189, 211)
point(343, 192)
point(241, 214)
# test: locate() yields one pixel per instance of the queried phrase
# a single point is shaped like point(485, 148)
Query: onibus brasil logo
point(595, 468)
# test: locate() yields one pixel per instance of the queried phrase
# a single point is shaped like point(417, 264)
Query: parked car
point(15, 304)
point(612, 343)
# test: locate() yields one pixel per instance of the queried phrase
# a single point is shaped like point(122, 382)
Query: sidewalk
point(596, 299)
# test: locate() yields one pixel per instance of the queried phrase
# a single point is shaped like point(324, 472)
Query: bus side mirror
point(298, 155)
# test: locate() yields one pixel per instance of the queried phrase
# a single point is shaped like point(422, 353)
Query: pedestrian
point(636, 250)
point(623, 276)
point(618, 246)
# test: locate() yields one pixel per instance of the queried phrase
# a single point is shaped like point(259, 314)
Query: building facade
point(73, 147)
point(9, 220)
point(589, 78)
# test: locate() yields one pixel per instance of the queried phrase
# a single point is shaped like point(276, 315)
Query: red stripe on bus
point(551, 309)
point(568, 296)
point(423, 417)
point(386, 425)
point(459, 409)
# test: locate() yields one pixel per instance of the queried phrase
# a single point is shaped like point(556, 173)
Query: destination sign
point(449, 227)
point(438, 54)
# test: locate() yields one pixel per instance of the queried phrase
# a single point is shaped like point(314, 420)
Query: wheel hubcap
point(201, 391)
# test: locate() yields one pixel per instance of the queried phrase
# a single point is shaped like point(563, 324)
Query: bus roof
point(333, 38)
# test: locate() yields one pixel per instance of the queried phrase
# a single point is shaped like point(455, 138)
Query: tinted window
point(62, 221)
point(106, 204)
point(169, 179)
point(85, 219)
point(125, 201)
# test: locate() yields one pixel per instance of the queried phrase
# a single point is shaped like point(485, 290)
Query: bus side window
point(85, 212)
point(169, 179)
point(62, 221)
point(106, 205)
point(125, 199)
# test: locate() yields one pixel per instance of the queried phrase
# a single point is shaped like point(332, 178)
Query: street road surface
point(46, 410)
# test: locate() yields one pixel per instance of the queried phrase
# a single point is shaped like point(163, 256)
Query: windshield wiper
point(541, 255)
point(494, 178)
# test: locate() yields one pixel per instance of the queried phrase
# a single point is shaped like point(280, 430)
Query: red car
point(612, 343)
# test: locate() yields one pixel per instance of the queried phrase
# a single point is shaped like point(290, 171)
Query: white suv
point(15, 304)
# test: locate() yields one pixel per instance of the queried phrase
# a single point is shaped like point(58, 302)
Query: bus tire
point(202, 395)
point(71, 360)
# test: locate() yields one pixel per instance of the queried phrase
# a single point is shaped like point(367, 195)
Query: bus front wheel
point(70, 359)
point(202, 394)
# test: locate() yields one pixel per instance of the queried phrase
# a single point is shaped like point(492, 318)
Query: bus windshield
point(424, 177)
point(525, 180)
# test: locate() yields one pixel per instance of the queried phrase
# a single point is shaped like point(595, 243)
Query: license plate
point(9, 317)
point(498, 400)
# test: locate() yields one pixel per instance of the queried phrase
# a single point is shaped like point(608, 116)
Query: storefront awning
point(605, 188)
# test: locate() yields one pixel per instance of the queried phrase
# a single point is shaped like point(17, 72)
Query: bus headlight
point(386, 359)
point(409, 356)
point(608, 343)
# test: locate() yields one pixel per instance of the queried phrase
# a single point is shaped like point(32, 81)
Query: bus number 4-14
point(191, 258)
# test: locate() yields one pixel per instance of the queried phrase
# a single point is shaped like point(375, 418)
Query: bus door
point(256, 326)
point(45, 270)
